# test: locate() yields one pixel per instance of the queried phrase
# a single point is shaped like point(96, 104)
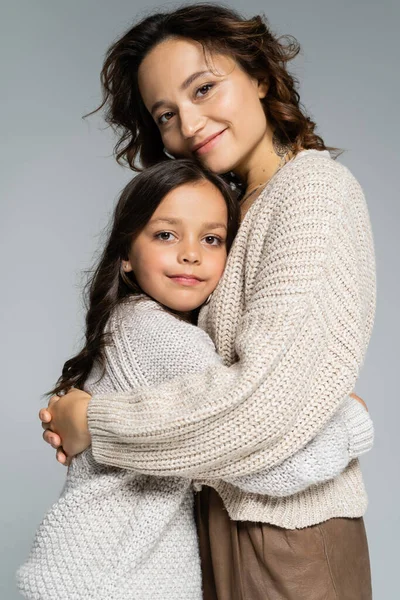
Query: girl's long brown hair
point(219, 29)
point(108, 285)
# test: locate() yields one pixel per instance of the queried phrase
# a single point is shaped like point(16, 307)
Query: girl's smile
point(179, 256)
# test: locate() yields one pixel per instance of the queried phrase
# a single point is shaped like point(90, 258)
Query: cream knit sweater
point(291, 318)
point(119, 535)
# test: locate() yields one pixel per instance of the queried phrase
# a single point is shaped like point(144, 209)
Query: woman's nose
point(192, 121)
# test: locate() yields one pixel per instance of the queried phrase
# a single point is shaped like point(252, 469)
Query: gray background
point(59, 183)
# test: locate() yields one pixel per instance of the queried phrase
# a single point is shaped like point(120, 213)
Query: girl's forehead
point(202, 201)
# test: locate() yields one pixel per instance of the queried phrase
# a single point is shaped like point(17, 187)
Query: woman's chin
point(218, 162)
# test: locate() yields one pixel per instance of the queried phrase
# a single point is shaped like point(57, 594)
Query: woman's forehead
point(173, 65)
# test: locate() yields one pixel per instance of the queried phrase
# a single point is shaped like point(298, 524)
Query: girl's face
point(180, 255)
point(190, 104)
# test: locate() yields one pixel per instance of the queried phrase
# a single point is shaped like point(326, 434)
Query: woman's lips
point(209, 145)
point(189, 281)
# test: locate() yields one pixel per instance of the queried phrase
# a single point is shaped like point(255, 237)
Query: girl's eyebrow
point(182, 87)
point(172, 221)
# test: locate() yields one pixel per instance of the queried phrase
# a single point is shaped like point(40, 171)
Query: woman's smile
point(197, 102)
point(209, 143)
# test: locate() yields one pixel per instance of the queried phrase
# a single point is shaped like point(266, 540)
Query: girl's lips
point(189, 281)
point(204, 149)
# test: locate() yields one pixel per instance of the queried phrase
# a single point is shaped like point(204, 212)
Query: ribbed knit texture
point(291, 319)
point(115, 534)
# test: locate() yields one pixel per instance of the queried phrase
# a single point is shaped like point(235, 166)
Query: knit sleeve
point(299, 347)
point(160, 347)
point(347, 435)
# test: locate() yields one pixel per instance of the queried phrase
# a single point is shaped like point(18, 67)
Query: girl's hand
point(360, 400)
point(65, 422)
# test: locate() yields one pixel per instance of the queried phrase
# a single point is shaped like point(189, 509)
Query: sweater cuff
point(359, 426)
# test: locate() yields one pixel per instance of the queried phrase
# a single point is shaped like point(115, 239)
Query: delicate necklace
point(284, 159)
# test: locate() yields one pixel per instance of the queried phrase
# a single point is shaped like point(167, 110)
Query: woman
point(291, 317)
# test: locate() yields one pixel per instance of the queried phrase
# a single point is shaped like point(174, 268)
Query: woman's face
point(189, 104)
point(180, 255)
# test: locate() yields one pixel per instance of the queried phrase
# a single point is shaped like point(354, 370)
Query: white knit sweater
point(291, 318)
point(115, 534)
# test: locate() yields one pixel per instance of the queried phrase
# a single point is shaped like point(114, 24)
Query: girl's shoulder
point(156, 343)
point(138, 310)
point(148, 320)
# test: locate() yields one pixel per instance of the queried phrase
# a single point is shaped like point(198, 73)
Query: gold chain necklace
point(284, 159)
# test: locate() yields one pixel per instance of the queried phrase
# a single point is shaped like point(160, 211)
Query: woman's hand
point(65, 423)
point(360, 400)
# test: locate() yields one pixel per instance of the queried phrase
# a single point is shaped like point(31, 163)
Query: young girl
point(116, 534)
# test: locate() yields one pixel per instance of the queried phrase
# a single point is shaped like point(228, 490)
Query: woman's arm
point(153, 345)
point(300, 345)
point(170, 348)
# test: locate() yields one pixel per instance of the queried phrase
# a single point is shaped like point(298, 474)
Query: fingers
point(53, 399)
point(360, 400)
point(44, 415)
point(61, 456)
point(52, 438)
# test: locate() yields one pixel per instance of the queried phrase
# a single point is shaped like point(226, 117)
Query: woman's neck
point(262, 163)
point(261, 167)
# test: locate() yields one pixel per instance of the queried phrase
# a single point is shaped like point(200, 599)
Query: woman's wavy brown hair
point(218, 29)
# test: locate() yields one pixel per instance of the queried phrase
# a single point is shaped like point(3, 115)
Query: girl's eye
point(205, 87)
point(160, 121)
point(213, 240)
point(164, 236)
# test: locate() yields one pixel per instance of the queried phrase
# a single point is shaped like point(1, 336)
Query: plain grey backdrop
point(59, 183)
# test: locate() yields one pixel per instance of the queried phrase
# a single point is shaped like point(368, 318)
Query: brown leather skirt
point(242, 560)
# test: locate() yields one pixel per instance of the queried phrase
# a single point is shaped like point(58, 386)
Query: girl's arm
point(347, 435)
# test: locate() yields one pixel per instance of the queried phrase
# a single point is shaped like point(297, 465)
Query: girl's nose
point(191, 258)
point(189, 255)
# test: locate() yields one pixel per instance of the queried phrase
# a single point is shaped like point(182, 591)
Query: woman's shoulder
point(312, 180)
point(318, 167)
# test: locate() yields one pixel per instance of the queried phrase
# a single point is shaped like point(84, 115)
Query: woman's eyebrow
point(182, 87)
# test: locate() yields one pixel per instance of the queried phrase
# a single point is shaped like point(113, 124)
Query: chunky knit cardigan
point(115, 534)
point(291, 318)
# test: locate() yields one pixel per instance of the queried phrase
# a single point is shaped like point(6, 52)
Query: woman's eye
point(160, 119)
point(213, 240)
point(205, 87)
point(165, 236)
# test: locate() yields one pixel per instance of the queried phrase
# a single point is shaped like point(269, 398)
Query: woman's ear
point(262, 88)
